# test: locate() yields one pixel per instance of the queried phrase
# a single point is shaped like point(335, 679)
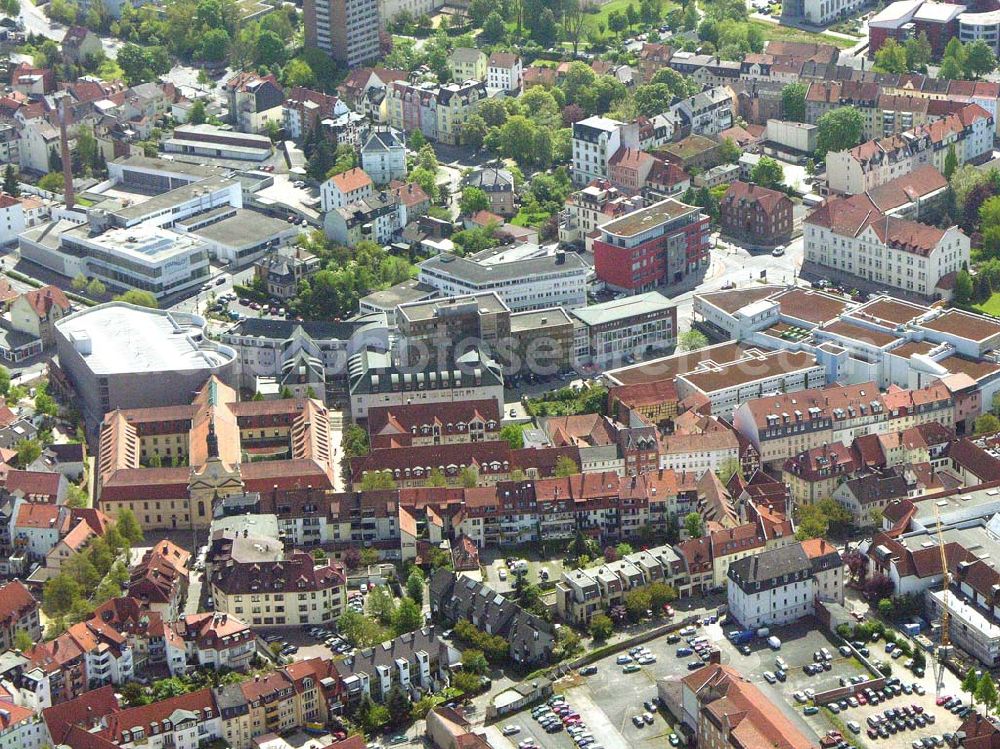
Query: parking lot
point(500, 578)
point(608, 701)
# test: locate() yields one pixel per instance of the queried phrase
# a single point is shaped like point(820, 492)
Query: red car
point(942, 699)
point(917, 709)
point(862, 700)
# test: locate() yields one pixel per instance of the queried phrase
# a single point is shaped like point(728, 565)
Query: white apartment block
point(558, 280)
point(780, 586)
point(595, 141)
point(851, 236)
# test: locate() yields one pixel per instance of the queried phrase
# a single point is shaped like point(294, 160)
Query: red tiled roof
point(352, 179)
point(44, 299)
point(89, 706)
point(768, 200)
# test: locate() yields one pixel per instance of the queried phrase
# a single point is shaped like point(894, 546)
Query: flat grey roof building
point(622, 309)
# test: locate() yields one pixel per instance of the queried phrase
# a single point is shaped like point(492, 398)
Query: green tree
point(980, 59)
point(918, 52)
point(269, 49)
point(28, 451)
point(513, 435)
point(470, 477)
point(963, 287)
point(11, 185)
point(134, 64)
point(399, 706)
point(474, 661)
point(886, 607)
point(23, 641)
point(4, 380)
point(693, 340)
point(53, 181)
point(950, 70)
point(729, 152)
point(381, 605)
point(793, 102)
point(473, 200)
point(950, 162)
point(467, 683)
point(494, 29)
point(653, 99)
point(437, 478)
point(693, 525)
point(59, 594)
point(197, 114)
point(987, 424)
point(128, 525)
point(768, 173)
point(354, 441)
point(637, 603)
point(474, 131)
point(45, 404)
point(96, 288)
point(839, 130)
point(970, 684)
point(374, 480)
point(623, 549)
point(372, 717)
point(601, 627)
point(565, 466)
point(298, 72)
point(891, 58)
point(407, 617)
point(138, 298)
point(360, 630)
point(415, 585)
point(986, 691)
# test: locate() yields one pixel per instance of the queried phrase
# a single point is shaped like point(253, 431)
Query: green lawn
point(778, 33)
point(620, 5)
point(991, 306)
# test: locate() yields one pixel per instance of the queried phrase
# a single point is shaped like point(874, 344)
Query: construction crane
point(944, 648)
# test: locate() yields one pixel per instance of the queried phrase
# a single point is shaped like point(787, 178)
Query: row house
point(417, 662)
point(439, 112)
point(969, 132)
point(787, 424)
point(530, 638)
point(596, 590)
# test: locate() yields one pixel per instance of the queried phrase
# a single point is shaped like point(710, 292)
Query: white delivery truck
point(774, 642)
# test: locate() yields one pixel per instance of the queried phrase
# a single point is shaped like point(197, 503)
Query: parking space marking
point(597, 721)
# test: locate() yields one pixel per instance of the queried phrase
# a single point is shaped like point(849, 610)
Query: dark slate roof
point(768, 569)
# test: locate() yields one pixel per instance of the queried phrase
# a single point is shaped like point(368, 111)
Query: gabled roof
point(44, 299)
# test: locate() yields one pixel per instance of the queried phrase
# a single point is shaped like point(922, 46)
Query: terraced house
point(530, 638)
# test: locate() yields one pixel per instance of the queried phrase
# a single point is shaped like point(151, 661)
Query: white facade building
point(851, 236)
point(383, 156)
point(549, 280)
point(595, 141)
point(504, 72)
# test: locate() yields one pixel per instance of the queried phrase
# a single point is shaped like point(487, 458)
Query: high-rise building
point(347, 30)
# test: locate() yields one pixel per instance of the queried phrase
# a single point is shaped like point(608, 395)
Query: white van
point(774, 643)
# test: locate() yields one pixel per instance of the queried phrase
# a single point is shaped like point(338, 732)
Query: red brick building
point(756, 214)
point(659, 244)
